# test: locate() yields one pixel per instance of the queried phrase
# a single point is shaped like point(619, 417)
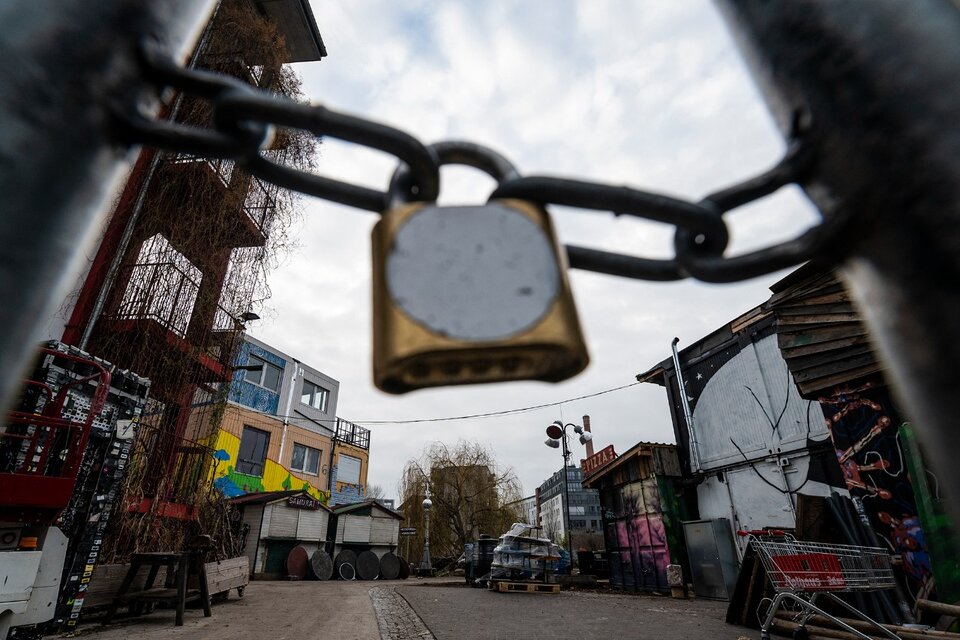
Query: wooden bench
point(180, 566)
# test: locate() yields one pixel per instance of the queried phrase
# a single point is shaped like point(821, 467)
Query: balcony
point(154, 317)
point(233, 209)
point(354, 434)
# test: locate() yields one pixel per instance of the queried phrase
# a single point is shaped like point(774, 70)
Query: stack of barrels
point(347, 565)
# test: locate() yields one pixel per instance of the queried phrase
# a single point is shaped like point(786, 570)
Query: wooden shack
point(366, 526)
point(278, 521)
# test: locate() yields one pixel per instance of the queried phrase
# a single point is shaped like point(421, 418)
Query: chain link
point(244, 117)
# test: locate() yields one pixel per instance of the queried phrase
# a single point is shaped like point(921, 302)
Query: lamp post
point(556, 438)
point(425, 567)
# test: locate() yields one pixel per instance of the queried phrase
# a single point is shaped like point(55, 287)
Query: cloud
point(648, 94)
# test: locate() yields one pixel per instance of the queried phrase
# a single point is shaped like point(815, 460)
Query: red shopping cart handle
point(761, 532)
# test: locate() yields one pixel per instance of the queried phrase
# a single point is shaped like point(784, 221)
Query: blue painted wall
point(347, 494)
point(251, 395)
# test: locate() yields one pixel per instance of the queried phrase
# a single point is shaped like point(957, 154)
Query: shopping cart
point(802, 572)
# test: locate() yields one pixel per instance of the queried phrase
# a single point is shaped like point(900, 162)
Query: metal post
point(425, 567)
point(566, 497)
point(873, 87)
point(60, 160)
point(685, 403)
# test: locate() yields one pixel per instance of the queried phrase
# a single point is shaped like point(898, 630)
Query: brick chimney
point(586, 427)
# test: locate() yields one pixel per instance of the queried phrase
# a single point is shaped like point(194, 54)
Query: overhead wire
point(473, 416)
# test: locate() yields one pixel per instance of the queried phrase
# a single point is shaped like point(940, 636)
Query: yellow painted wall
point(276, 475)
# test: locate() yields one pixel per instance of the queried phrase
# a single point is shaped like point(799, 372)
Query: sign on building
point(599, 459)
point(303, 502)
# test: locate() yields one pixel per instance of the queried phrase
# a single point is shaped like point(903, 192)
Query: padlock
point(470, 294)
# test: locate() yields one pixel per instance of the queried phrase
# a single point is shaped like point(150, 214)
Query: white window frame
point(253, 360)
point(318, 391)
point(306, 458)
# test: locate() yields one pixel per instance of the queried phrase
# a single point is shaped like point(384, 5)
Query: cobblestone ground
point(396, 619)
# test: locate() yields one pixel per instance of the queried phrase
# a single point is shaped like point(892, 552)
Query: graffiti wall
point(275, 476)
point(864, 426)
point(636, 536)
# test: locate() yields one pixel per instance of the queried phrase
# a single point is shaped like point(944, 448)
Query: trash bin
point(485, 547)
point(585, 562)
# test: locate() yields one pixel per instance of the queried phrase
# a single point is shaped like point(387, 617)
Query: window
point(267, 377)
point(253, 451)
point(305, 459)
point(314, 396)
point(348, 469)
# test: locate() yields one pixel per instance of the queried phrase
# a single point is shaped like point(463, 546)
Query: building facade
point(642, 512)
point(789, 417)
point(178, 267)
point(280, 432)
point(583, 506)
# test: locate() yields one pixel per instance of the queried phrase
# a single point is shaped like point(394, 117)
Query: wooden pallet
point(524, 587)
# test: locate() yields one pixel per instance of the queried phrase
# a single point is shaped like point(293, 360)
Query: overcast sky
point(648, 94)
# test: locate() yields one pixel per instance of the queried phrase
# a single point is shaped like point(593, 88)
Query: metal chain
point(243, 117)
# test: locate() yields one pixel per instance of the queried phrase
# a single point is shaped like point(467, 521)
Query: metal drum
point(389, 567)
point(404, 568)
point(321, 565)
point(346, 558)
point(368, 566)
point(297, 561)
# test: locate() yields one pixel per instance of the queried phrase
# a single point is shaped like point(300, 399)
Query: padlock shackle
point(401, 189)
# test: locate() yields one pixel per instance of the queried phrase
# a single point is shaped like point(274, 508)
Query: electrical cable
point(762, 477)
point(474, 416)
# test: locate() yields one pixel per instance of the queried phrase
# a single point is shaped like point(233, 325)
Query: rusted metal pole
point(872, 86)
point(72, 64)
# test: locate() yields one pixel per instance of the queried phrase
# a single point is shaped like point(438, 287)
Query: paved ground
point(427, 610)
point(268, 611)
point(459, 613)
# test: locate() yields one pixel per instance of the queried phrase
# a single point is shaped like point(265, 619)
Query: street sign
point(408, 531)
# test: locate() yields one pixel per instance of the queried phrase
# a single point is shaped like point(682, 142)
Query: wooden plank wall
point(821, 334)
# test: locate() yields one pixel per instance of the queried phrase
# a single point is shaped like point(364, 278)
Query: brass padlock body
point(436, 332)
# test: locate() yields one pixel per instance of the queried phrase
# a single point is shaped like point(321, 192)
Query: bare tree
point(375, 492)
point(471, 494)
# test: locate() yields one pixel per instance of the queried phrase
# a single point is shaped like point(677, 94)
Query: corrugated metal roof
point(641, 448)
point(295, 21)
point(272, 496)
point(820, 332)
point(369, 503)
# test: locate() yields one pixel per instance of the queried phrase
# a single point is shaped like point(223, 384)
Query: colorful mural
point(641, 555)
point(864, 428)
point(275, 477)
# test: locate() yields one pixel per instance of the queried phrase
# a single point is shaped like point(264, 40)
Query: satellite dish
point(554, 431)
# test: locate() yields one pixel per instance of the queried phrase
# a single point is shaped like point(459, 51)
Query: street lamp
point(425, 568)
point(557, 437)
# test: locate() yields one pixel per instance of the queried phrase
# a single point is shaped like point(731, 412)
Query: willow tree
point(471, 493)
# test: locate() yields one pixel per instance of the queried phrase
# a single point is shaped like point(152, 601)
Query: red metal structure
point(42, 450)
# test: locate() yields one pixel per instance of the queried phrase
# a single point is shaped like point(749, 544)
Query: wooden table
point(181, 566)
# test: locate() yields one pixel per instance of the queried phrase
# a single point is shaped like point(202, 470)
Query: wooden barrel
point(389, 567)
point(368, 566)
point(297, 561)
point(321, 565)
point(404, 568)
point(345, 558)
